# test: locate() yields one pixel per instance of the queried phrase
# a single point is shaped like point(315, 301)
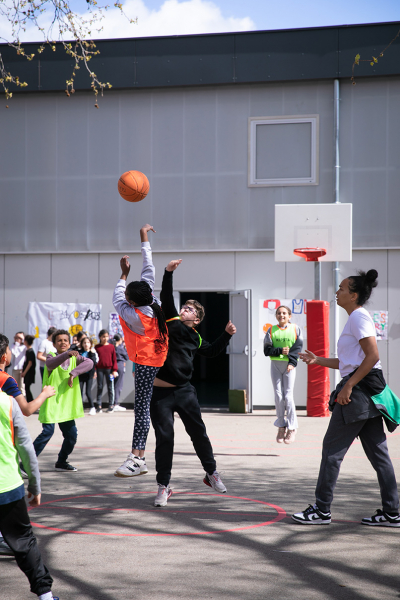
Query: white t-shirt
point(359, 326)
point(46, 346)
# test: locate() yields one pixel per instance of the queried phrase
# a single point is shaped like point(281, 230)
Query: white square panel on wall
point(283, 150)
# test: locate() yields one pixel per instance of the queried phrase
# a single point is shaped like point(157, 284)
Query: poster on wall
point(381, 320)
point(267, 310)
point(72, 317)
point(114, 325)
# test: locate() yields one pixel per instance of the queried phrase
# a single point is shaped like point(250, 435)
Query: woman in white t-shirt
point(353, 412)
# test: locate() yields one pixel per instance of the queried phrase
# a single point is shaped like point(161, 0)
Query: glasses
point(189, 309)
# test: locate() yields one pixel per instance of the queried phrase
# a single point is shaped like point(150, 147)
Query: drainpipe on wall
point(336, 265)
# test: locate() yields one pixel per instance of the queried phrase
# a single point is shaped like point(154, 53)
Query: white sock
point(46, 596)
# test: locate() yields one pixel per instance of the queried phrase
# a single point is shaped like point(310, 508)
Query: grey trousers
point(283, 382)
point(338, 440)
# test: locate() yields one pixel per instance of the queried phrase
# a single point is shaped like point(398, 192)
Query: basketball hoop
point(310, 254)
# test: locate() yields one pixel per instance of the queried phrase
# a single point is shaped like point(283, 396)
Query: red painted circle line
point(281, 515)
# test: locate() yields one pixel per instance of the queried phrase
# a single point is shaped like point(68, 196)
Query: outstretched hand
point(308, 357)
point(144, 231)
point(230, 328)
point(125, 266)
point(173, 264)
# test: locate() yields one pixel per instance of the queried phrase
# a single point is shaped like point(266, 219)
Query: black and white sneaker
point(382, 519)
point(312, 516)
point(132, 467)
point(65, 467)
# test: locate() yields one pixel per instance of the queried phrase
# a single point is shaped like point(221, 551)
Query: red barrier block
point(318, 386)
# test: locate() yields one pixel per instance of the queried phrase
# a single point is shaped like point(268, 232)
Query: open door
point(240, 346)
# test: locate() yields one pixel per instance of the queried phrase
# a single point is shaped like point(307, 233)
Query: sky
point(177, 17)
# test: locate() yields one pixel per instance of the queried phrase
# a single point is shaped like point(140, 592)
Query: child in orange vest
point(146, 339)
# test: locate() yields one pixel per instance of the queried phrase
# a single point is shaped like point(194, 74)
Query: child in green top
point(62, 371)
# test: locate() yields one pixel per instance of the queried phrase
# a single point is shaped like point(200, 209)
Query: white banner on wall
point(268, 309)
point(114, 325)
point(72, 317)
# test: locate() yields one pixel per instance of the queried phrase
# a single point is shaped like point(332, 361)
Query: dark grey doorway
point(211, 375)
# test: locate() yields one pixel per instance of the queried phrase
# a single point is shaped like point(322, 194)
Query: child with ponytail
point(146, 339)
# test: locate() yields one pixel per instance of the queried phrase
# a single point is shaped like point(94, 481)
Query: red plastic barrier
point(318, 387)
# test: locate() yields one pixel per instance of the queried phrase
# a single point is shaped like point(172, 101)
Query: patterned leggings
point(144, 379)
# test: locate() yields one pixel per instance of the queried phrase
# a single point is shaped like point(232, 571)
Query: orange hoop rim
point(310, 254)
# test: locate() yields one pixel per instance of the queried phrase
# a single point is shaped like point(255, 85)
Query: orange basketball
point(133, 186)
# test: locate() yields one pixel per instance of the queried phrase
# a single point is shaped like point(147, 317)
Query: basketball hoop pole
point(317, 280)
point(312, 255)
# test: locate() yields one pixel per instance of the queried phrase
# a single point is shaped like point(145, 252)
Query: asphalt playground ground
point(102, 538)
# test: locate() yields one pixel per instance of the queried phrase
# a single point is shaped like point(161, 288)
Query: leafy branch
point(62, 23)
point(373, 60)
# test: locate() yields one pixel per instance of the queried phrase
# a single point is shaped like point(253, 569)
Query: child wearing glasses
point(173, 392)
point(146, 339)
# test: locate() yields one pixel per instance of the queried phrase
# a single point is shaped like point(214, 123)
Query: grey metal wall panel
point(72, 136)
point(370, 177)
point(199, 210)
point(75, 278)
point(200, 130)
point(41, 137)
point(64, 198)
point(27, 279)
point(168, 212)
point(13, 215)
point(72, 214)
point(41, 215)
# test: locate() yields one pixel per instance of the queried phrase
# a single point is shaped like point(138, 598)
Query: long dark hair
point(140, 293)
point(362, 284)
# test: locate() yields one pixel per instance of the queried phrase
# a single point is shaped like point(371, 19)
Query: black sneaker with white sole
point(382, 519)
point(312, 516)
point(65, 467)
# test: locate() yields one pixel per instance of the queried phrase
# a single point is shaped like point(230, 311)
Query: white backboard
point(326, 226)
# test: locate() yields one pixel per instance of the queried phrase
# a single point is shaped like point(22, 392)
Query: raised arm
point(211, 350)
point(148, 271)
point(167, 292)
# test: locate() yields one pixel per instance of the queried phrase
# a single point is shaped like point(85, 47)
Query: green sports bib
point(281, 338)
point(66, 405)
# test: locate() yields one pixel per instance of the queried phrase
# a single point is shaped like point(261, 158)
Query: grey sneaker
point(382, 519)
point(163, 495)
point(132, 467)
point(215, 482)
point(312, 516)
